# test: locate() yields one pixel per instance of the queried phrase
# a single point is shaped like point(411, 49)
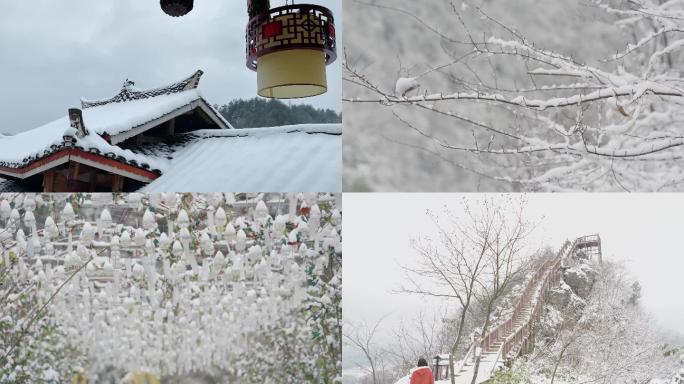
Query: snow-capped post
point(289, 48)
point(69, 216)
point(211, 227)
point(76, 122)
point(176, 8)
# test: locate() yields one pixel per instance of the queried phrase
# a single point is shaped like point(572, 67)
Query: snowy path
point(488, 364)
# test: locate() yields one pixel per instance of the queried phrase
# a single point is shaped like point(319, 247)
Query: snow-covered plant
point(240, 287)
point(510, 377)
point(536, 118)
point(32, 348)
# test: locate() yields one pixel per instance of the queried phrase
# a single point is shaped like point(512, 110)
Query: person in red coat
point(422, 374)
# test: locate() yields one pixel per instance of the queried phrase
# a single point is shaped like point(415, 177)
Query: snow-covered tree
point(497, 104)
point(596, 331)
point(473, 264)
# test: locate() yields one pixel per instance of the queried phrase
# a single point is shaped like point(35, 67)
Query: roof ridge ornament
point(76, 122)
point(129, 92)
point(128, 84)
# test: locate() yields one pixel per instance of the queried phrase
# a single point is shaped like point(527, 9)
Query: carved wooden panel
point(298, 26)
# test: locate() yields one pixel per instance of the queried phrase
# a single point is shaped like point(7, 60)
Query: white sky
point(643, 229)
point(54, 52)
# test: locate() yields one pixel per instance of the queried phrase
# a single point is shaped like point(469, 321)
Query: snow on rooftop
point(13, 149)
point(128, 110)
point(286, 159)
point(97, 142)
point(299, 158)
point(40, 141)
point(111, 118)
point(116, 118)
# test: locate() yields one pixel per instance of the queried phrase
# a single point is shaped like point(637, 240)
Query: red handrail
point(534, 296)
point(546, 273)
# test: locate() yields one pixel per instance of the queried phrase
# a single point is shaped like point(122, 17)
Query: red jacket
point(422, 375)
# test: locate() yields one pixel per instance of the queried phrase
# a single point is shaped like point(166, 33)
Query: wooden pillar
point(49, 181)
point(74, 169)
point(171, 131)
point(72, 176)
point(92, 179)
point(117, 183)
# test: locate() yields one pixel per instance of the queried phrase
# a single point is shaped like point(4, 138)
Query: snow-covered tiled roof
point(129, 113)
point(289, 158)
point(298, 158)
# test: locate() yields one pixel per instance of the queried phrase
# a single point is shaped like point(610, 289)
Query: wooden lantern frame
point(295, 26)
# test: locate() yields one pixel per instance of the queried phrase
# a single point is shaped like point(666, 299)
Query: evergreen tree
point(257, 112)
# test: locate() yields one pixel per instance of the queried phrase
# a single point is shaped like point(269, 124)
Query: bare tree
point(361, 336)
point(476, 258)
point(423, 336)
point(557, 345)
point(505, 259)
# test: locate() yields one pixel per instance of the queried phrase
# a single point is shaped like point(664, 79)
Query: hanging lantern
point(289, 48)
point(177, 8)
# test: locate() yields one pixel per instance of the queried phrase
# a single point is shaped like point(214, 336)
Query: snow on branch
point(540, 117)
point(635, 92)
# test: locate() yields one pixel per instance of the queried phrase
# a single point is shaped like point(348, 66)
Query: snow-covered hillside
point(592, 329)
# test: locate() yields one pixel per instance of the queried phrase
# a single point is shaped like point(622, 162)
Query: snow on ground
point(303, 158)
point(488, 364)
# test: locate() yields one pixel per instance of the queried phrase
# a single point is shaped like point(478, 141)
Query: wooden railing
point(534, 296)
point(544, 280)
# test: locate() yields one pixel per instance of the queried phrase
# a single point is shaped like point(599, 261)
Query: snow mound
point(405, 85)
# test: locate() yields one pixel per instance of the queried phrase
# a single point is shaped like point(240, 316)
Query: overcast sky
point(54, 52)
point(643, 229)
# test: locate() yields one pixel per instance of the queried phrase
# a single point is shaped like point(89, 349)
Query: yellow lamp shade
point(291, 73)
